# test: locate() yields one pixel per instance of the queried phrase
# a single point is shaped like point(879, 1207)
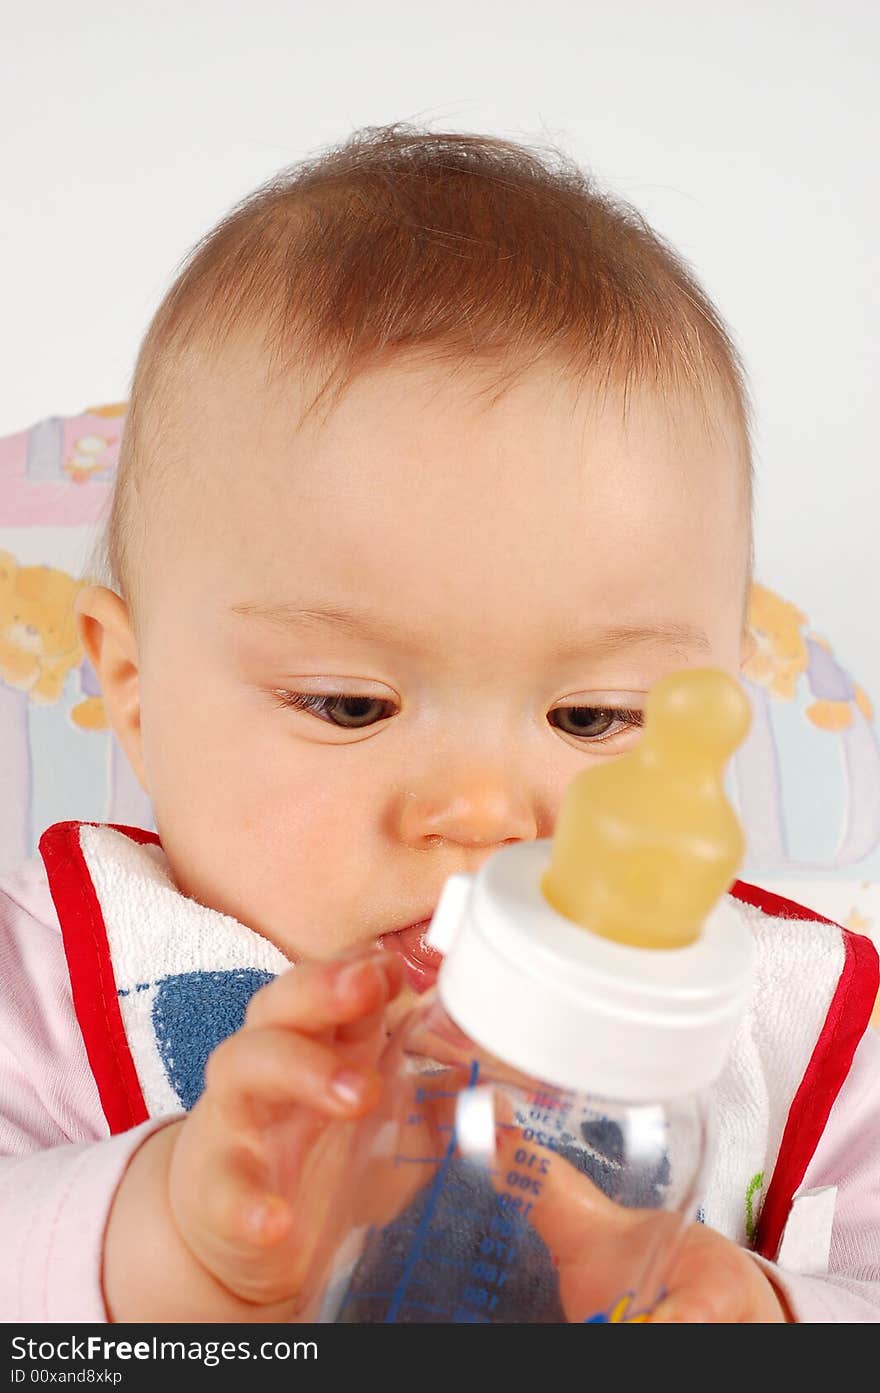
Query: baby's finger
point(258, 1075)
point(316, 996)
point(237, 1226)
point(240, 1212)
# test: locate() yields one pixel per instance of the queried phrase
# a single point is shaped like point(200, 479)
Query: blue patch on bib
point(192, 1013)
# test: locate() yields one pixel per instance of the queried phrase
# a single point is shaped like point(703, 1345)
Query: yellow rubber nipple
point(646, 844)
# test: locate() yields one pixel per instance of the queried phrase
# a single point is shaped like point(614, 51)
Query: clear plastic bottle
point(543, 1132)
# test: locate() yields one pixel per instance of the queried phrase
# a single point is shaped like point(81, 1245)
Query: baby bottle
point(543, 1131)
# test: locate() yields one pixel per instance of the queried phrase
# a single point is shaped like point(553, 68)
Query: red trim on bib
point(845, 1024)
point(92, 982)
point(777, 906)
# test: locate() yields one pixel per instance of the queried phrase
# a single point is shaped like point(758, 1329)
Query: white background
point(746, 132)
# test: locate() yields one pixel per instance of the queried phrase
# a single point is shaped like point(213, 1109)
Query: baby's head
point(435, 459)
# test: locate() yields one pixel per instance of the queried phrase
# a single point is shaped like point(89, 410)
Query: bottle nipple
point(646, 844)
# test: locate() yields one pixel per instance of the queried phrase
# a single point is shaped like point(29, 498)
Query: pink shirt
point(60, 1168)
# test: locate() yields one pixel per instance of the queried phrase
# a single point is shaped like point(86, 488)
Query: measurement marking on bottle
point(424, 1224)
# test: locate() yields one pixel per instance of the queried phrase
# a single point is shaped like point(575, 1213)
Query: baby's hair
point(465, 248)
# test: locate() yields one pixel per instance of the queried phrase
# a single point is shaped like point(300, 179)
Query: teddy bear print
point(39, 645)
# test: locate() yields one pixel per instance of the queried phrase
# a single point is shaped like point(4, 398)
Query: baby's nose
point(480, 811)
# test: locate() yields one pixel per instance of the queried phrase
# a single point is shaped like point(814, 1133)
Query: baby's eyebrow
point(360, 623)
point(681, 639)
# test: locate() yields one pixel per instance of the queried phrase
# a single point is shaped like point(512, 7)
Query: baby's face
point(378, 648)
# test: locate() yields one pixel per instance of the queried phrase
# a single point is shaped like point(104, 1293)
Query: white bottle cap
point(577, 1010)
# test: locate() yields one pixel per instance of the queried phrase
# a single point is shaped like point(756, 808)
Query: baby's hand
point(221, 1215)
point(597, 1245)
point(713, 1281)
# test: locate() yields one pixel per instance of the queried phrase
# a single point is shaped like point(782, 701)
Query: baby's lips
point(421, 962)
point(411, 943)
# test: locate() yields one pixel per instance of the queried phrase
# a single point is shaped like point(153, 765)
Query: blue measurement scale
point(463, 1250)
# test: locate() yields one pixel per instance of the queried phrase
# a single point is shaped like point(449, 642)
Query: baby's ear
point(105, 631)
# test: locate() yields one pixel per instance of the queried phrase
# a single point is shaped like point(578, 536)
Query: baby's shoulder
point(49, 1094)
point(25, 897)
point(33, 967)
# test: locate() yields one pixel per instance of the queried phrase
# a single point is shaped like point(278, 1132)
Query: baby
point(436, 460)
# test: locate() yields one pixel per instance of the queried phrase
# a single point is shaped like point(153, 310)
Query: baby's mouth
point(421, 962)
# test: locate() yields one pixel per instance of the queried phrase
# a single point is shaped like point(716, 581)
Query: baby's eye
point(595, 724)
point(347, 712)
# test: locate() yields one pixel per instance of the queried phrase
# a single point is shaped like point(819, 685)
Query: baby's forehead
point(242, 405)
point(249, 440)
point(421, 482)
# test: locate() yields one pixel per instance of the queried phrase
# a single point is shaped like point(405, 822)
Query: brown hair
point(466, 246)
